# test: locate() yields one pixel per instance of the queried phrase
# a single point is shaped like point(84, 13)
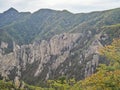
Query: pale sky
point(75, 6)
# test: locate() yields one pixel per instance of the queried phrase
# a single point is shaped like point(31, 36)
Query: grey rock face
point(4, 45)
point(51, 57)
point(93, 49)
point(7, 62)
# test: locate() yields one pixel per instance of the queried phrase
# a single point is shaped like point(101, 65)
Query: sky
point(75, 6)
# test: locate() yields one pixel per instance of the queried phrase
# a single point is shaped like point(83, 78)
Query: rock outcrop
point(49, 59)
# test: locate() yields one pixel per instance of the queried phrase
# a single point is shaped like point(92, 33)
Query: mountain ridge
point(48, 44)
point(69, 21)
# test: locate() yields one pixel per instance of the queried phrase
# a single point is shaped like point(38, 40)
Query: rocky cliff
point(50, 59)
point(48, 44)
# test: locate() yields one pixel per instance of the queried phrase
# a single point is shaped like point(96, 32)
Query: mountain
point(47, 44)
point(11, 16)
point(45, 23)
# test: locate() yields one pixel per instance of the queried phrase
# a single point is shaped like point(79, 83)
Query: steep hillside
point(45, 23)
point(47, 44)
point(11, 16)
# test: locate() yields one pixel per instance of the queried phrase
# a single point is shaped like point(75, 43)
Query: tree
point(108, 76)
point(61, 83)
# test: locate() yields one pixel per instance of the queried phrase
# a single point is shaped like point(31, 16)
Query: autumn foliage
point(108, 76)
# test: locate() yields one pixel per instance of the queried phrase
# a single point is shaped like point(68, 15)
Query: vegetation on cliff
point(107, 77)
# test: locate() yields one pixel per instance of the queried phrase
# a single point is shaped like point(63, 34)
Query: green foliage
point(61, 83)
point(113, 31)
point(10, 86)
point(107, 77)
point(6, 85)
point(45, 23)
point(112, 52)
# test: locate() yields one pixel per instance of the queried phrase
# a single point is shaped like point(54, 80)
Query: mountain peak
point(45, 10)
point(11, 10)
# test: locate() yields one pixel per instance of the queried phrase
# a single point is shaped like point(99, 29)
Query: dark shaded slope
point(11, 16)
point(43, 24)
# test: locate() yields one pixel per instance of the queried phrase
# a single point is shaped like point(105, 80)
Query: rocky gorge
point(69, 46)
